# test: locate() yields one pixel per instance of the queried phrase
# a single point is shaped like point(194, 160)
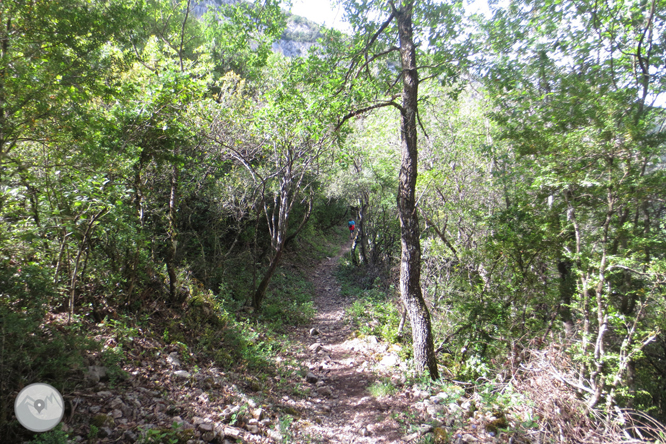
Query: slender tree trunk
point(410, 262)
point(4, 51)
point(173, 235)
point(84, 242)
point(361, 228)
point(278, 229)
point(567, 290)
point(354, 258)
point(258, 296)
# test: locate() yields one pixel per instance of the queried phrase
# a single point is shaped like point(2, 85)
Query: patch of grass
point(112, 359)
point(382, 388)
point(289, 301)
point(284, 424)
point(426, 439)
point(374, 315)
point(373, 312)
point(55, 436)
point(174, 435)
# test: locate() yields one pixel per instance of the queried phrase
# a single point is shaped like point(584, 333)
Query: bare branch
point(369, 108)
point(375, 57)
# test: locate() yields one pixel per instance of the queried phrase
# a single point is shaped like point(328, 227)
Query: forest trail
point(341, 409)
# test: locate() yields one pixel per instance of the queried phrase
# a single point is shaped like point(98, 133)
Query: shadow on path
point(343, 410)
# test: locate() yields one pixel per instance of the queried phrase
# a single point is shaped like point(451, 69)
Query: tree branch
point(369, 108)
point(375, 57)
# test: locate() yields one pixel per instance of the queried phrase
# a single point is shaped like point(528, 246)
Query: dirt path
point(342, 410)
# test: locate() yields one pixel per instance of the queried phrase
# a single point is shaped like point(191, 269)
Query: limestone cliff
point(296, 40)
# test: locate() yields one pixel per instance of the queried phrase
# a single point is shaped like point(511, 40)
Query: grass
point(373, 312)
point(379, 389)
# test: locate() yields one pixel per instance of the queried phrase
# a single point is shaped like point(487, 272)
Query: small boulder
point(182, 374)
point(325, 391)
point(390, 360)
point(117, 403)
point(105, 432)
point(311, 378)
point(96, 374)
point(275, 435)
point(102, 420)
point(435, 409)
point(206, 427)
point(173, 360)
point(208, 436)
point(425, 428)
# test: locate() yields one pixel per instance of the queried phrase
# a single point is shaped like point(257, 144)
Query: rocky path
point(342, 368)
point(162, 385)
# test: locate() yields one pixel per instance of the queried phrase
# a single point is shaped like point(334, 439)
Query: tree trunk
point(279, 236)
point(258, 296)
point(361, 228)
point(410, 262)
point(567, 290)
point(4, 52)
point(173, 235)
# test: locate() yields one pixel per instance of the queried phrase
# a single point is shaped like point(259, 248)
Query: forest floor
point(320, 381)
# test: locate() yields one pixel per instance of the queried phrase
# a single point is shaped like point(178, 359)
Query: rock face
point(292, 48)
point(301, 34)
point(202, 6)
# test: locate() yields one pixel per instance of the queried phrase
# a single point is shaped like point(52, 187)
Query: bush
point(31, 349)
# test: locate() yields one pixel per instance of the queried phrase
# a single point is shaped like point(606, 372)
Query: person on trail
point(352, 225)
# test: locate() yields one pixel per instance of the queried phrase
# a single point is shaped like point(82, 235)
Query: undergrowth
point(374, 309)
point(208, 328)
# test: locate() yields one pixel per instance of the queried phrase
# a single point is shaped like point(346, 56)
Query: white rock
point(182, 374)
point(173, 360)
point(390, 360)
point(206, 427)
point(275, 435)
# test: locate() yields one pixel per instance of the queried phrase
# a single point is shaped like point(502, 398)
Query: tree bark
point(258, 296)
point(361, 227)
point(173, 235)
point(567, 290)
point(410, 262)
